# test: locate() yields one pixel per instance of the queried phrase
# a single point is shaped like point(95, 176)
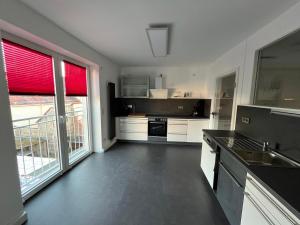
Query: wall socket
point(180, 107)
point(245, 120)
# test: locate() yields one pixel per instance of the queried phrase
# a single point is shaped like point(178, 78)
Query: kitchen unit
point(160, 129)
point(255, 182)
point(168, 120)
point(132, 128)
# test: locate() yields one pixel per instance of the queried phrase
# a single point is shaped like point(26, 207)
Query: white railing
point(37, 149)
point(37, 146)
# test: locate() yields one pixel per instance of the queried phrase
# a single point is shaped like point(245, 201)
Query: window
point(36, 107)
point(278, 75)
point(75, 81)
point(30, 79)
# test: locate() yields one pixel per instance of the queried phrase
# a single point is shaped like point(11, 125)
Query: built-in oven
point(157, 129)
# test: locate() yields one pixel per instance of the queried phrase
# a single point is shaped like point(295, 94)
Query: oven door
point(157, 129)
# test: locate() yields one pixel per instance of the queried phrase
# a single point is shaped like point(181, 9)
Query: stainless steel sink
point(251, 152)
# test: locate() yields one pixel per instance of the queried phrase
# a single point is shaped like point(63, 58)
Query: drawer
point(177, 121)
point(177, 129)
point(134, 120)
point(134, 127)
point(176, 137)
point(133, 136)
point(269, 202)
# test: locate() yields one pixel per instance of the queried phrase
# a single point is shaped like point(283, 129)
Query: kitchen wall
point(22, 21)
point(167, 107)
point(185, 79)
point(242, 57)
point(267, 126)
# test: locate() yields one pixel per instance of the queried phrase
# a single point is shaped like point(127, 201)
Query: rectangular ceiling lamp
point(158, 40)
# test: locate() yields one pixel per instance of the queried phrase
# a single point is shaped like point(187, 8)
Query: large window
point(278, 75)
point(38, 96)
point(30, 79)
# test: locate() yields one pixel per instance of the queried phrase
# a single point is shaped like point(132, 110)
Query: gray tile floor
point(132, 184)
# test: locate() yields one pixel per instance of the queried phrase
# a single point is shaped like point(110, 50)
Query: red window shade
point(28, 72)
point(75, 80)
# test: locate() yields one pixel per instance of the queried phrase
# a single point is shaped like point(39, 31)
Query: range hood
point(159, 92)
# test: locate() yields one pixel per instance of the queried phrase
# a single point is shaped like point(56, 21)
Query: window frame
point(59, 104)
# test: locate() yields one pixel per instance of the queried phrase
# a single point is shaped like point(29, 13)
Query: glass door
point(224, 102)
point(76, 110)
point(49, 107)
point(31, 85)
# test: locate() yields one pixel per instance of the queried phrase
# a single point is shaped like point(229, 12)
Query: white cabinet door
point(208, 162)
point(252, 214)
point(194, 130)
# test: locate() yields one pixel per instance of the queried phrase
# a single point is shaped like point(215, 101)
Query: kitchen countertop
point(283, 183)
point(167, 116)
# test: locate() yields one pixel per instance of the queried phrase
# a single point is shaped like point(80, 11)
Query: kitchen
point(246, 158)
point(161, 112)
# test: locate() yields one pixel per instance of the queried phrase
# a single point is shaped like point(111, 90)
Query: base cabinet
point(208, 159)
point(132, 129)
point(261, 207)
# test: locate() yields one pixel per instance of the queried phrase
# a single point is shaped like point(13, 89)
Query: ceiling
point(202, 30)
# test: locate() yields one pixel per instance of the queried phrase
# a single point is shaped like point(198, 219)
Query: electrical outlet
point(180, 107)
point(245, 120)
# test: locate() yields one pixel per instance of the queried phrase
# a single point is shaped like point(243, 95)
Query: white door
point(224, 102)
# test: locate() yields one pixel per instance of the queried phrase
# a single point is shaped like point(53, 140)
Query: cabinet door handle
point(213, 152)
point(248, 196)
point(231, 176)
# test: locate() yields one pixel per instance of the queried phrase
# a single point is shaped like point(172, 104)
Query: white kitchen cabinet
point(177, 130)
point(135, 129)
point(261, 207)
point(208, 159)
point(194, 130)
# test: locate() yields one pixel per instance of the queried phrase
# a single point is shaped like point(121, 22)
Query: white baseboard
point(20, 219)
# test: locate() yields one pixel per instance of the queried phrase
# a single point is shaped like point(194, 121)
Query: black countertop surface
point(283, 183)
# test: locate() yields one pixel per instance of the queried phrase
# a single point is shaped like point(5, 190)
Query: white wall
point(186, 79)
point(243, 56)
point(20, 20)
point(11, 207)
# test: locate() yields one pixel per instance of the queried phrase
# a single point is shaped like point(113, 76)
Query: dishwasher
point(230, 187)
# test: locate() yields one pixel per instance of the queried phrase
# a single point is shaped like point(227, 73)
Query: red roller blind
point(28, 72)
point(75, 80)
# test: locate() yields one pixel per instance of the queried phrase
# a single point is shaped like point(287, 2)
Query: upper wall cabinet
point(134, 86)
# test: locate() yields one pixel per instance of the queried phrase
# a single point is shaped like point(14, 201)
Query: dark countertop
point(283, 183)
point(174, 116)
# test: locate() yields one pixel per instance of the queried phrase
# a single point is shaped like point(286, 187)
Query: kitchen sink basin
point(252, 153)
point(264, 159)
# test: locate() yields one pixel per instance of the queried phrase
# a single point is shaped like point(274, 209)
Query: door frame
point(235, 71)
point(60, 94)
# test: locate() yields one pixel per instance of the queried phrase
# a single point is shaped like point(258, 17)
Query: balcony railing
point(37, 148)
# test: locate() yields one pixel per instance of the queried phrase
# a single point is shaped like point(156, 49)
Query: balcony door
point(75, 109)
point(49, 106)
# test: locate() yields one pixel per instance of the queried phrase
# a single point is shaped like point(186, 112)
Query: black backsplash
point(179, 107)
point(281, 131)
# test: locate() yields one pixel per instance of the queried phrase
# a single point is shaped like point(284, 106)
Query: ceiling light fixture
point(158, 39)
